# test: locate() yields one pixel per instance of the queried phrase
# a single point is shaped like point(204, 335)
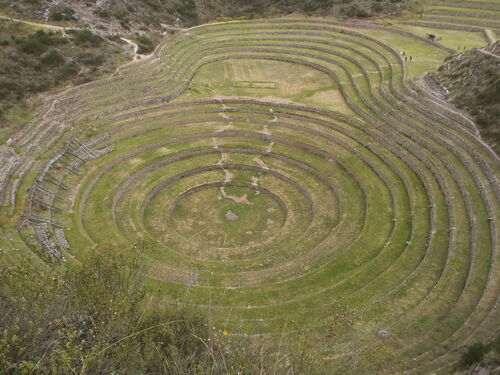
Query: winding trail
point(44, 25)
point(489, 53)
point(135, 48)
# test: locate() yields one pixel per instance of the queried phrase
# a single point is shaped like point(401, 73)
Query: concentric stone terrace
point(476, 15)
point(267, 208)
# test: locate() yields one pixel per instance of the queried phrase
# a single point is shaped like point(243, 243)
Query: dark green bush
point(7, 88)
point(53, 58)
point(355, 11)
point(48, 38)
point(124, 24)
point(377, 7)
point(315, 5)
point(31, 46)
point(145, 45)
point(103, 13)
point(37, 42)
point(86, 38)
point(68, 71)
point(187, 10)
point(474, 354)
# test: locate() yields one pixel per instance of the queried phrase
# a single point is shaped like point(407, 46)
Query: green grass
point(313, 88)
point(450, 38)
point(347, 188)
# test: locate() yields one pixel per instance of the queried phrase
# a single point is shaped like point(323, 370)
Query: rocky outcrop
point(472, 83)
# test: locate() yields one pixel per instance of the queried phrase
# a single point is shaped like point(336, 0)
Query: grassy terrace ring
point(279, 170)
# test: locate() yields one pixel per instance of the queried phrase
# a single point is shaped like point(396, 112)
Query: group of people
point(403, 53)
point(432, 37)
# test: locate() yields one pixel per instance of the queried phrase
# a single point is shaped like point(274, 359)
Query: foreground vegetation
point(95, 317)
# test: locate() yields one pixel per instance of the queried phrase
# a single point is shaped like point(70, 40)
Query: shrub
point(86, 38)
point(187, 10)
point(31, 46)
point(7, 88)
point(314, 5)
point(4, 43)
point(68, 71)
point(124, 24)
point(145, 45)
point(47, 38)
point(37, 42)
point(474, 354)
point(377, 7)
point(103, 13)
point(53, 58)
point(355, 11)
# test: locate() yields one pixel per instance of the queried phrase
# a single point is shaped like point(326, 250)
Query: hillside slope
point(473, 81)
point(113, 15)
point(33, 60)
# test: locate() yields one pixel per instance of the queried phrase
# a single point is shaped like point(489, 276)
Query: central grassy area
point(228, 216)
point(291, 83)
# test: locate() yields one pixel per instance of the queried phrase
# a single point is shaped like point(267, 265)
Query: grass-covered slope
point(283, 173)
point(480, 15)
point(472, 79)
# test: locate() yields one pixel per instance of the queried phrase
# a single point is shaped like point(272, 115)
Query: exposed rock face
point(473, 81)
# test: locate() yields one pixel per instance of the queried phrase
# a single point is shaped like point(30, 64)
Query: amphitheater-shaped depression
point(276, 168)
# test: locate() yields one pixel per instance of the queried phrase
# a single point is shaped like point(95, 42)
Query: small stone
point(230, 215)
point(382, 334)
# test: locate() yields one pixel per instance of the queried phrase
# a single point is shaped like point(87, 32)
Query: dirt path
point(44, 25)
point(489, 53)
point(135, 48)
point(136, 56)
